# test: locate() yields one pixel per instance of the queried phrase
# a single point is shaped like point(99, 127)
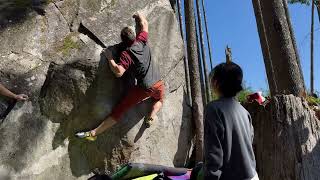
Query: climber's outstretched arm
point(141, 21)
point(118, 70)
point(6, 92)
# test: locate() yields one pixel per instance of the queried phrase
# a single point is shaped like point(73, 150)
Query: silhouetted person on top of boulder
point(228, 130)
point(137, 59)
point(6, 92)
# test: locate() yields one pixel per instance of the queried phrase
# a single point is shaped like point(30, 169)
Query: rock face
point(56, 60)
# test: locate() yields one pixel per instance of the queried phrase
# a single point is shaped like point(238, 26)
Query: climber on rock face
point(6, 92)
point(137, 59)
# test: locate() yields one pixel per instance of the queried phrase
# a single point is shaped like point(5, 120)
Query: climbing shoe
point(86, 135)
point(148, 121)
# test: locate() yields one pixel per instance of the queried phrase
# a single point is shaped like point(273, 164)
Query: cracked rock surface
point(56, 60)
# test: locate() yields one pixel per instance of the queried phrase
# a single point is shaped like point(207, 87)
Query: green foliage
point(242, 96)
point(307, 2)
point(313, 101)
point(299, 1)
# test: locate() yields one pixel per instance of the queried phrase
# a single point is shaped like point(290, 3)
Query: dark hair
point(127, 36)
point(229, 78)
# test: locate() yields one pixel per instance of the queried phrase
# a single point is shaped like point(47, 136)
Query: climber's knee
point(158, 91)
point(157, 104)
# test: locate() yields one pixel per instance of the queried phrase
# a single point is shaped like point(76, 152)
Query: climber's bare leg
point(135, 96)
point(106, 124)
point(155, 109)
point(92, 135)
point(109, 122)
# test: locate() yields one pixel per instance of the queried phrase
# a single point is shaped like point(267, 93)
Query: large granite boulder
point(56, 60)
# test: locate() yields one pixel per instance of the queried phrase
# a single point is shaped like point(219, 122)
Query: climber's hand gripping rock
point(107, 53)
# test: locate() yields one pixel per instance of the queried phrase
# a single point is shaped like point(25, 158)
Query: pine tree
point(279, 47)
point(203, 53)
point(197, 106)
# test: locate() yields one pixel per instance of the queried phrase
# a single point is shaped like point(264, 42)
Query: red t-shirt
point(125, 58)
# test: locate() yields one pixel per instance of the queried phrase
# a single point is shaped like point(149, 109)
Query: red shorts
point(136, 95)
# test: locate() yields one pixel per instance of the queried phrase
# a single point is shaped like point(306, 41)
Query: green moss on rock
point(68, 44)
point(113, 2)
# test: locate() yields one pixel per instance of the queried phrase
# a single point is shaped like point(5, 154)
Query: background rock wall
point(56, 60)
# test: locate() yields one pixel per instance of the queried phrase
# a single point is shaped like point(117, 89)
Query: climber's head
point(127, 36)
point(226, 79)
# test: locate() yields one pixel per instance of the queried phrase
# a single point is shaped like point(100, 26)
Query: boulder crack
point(175, 89)
point(172, 68)
point(61, 14)
point(84, 30)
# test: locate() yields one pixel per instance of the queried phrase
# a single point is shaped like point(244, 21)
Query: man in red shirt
point(137, 59)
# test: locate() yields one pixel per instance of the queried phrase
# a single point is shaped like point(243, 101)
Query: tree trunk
point(311, 51)
point(287, 139)
point(180, 18)
point(203, 53)
point(202, 81)
point(285, 3)
point(197, 106)
point(207, 33)
point(279, 48)
point(265, 47)
point(185, 59)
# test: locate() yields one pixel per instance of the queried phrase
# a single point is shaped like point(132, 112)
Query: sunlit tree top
point(300, 1)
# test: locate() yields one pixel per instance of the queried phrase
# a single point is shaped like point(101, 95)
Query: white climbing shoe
point(86, 135)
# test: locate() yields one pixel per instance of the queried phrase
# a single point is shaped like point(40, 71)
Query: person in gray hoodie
point(228, 130)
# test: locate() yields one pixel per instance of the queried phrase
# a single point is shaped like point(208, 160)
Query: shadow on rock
point(140, 132)
point(16, 11)
point(185, 137)
point(22, 126)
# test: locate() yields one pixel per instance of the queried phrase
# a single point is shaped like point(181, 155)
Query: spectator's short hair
point(127, 36)
point(228, 77)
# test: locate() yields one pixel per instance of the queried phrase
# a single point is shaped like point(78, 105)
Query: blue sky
point(232, 22)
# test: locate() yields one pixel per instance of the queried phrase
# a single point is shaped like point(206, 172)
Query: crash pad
point(182, 177)
point(121, 173)
point(149, 177)
point(135, 170)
